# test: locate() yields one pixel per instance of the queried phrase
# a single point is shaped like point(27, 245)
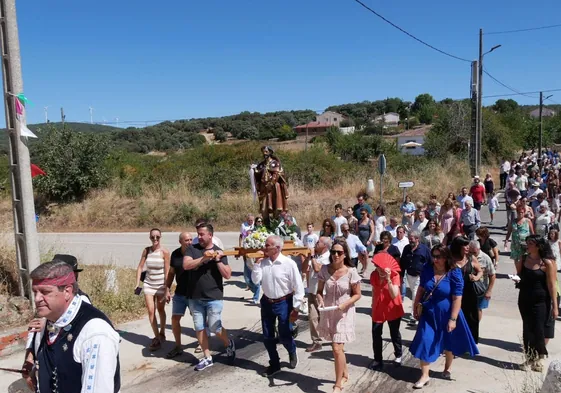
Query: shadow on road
point(506, 345)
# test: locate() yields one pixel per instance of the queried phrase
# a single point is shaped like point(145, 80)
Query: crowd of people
point(440, 250)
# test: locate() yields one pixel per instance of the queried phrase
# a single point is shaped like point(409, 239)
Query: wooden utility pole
point(473, 149)
point(25, 230)
point(480, 102)
point(62, 117)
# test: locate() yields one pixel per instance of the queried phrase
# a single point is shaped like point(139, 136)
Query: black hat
point(70, 259)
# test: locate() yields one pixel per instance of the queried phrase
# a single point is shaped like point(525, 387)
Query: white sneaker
point(397, 360)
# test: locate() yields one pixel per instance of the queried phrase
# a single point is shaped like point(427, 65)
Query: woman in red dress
point(387, 306)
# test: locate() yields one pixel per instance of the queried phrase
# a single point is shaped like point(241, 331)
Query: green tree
point(250, 132)
point(73, 161)
point(220, 135)
point(424, 108)
point(506, 106)
point(286, 133)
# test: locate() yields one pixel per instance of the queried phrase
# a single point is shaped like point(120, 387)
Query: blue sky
point(139, 60)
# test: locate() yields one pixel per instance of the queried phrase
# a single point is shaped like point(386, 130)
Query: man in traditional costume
point(271, 185)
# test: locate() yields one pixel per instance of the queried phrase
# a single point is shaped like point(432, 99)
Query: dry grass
point(177, 205)
point(9, 272)
point(120, 305)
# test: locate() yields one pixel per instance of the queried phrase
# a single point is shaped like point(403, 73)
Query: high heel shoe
point(420, 385)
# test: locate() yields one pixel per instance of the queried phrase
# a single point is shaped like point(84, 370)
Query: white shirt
point(310, 240)
point(400, 244)
point(505, 167)
point(96, 348)
point(338, 222)
point(392, 230)
point(323, 259)
point(279, 278)
point(419, 226)
point(493, 203)
point(463, 199)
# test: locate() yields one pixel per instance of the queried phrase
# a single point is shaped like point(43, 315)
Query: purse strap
point(435, 286)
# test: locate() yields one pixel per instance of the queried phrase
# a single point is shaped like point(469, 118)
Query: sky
point(141, 61)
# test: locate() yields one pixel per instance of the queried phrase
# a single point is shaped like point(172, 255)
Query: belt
point(280, 299)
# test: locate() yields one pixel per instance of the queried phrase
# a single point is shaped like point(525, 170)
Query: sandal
point(155, 345)
point(337, 389)
point(162, 337)
point(345, 379)
point(176, 351)
point(199, 349)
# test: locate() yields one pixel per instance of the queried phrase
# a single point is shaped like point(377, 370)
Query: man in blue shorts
point(208, 267)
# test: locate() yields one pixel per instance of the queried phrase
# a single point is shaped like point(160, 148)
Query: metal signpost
point(405, 185)
point(382, 171)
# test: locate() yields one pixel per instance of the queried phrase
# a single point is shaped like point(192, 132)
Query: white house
point(412, 141)
point(390, 119)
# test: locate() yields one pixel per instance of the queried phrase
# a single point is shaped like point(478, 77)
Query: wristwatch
point(453, 319)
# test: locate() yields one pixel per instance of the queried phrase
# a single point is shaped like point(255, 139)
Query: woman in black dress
point(537, 300)
point(471, 271)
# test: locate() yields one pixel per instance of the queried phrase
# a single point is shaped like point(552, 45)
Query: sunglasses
point(259, 221)
point(437, 256)
point(337, 252)
point(155, 237)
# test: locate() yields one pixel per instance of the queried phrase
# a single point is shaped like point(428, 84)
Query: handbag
point(479, 287)
point(426, 298)
point(143, 274)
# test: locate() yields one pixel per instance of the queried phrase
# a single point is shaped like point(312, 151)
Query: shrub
point(73, 161)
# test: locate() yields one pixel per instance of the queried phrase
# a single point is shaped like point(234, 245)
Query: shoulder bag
point(143, 274)
point(479, 287)
point(426, 298)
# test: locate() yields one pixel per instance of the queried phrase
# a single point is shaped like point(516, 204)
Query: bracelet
point(453, 319)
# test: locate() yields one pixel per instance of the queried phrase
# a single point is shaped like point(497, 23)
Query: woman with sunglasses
point(442, 326)
point(258, 223)
point(328, 228)
point(537, 300)
point(341, 283)
point(156, 293)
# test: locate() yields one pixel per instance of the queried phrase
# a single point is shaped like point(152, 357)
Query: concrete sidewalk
point(494, 370)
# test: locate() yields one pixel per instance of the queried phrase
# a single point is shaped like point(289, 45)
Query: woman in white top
point(553, 237)
point(156, 293)
point(380, 223)
point(544, 219)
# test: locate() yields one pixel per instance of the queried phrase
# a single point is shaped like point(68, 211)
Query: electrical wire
point(505, 85)
point(411, 35)
point(523, 30)
point(521, 93)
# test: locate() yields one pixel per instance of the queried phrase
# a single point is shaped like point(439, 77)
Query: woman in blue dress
point(442, 326)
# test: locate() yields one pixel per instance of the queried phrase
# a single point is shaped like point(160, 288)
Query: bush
point(220, 135)
point(73, 161)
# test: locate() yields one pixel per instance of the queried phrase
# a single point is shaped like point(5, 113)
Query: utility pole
point(306, 144)
point(62, 117)
point(473, 147)
point(540, 146)
point(91, 115)
point(46, 114)
point(480, 102)
point(25, 230)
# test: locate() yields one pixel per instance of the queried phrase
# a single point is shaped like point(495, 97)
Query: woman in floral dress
point(520, 229)
point(342, 290)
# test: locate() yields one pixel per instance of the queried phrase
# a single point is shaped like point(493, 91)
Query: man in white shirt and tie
point(283, 293)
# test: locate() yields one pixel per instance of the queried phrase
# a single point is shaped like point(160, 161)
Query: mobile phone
point(137, 291)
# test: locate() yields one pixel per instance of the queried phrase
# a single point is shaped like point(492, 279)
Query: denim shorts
point(179, 304)
point(483, 303)
point(207, 314)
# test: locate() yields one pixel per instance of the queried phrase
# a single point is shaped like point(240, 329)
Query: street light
point(479, 122)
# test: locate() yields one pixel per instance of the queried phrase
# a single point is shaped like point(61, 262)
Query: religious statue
point(270, 185)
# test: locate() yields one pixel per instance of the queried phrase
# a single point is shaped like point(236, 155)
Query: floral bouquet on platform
point(256, 240)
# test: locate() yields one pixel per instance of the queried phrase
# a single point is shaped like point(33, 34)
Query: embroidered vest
point(57, 371)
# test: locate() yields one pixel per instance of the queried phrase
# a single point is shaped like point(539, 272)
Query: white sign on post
point(406, 184)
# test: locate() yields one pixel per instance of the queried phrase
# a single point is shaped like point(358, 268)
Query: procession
point(437, 257)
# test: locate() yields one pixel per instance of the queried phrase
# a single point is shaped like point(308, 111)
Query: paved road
point(493, 371)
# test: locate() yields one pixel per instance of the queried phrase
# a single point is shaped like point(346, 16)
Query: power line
point(521, 93)
point(522, 30)
point(411, 35)
point(505, 85)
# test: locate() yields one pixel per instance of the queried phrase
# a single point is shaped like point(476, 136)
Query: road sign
point(382, 164)
point(406, 184)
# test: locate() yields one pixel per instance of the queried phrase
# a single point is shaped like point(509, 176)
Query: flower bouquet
point(256, 240)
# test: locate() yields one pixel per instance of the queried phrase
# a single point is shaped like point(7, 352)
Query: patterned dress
point(338, 326)
point(154, 283)
point(519, 234)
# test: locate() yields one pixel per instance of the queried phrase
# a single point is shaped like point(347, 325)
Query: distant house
point(390, 119)
point(412, 141)
point(546, 112)
point(321, 123)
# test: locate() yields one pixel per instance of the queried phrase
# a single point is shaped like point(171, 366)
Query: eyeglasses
point(259, 222)
point(438, 256)
point(337, 252)
point(155, 237)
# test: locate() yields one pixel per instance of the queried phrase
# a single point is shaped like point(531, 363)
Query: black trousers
point(503, 177)
point(377, 338)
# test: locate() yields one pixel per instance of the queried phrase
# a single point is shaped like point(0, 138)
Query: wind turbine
point(91, 115)
point(46, 108)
